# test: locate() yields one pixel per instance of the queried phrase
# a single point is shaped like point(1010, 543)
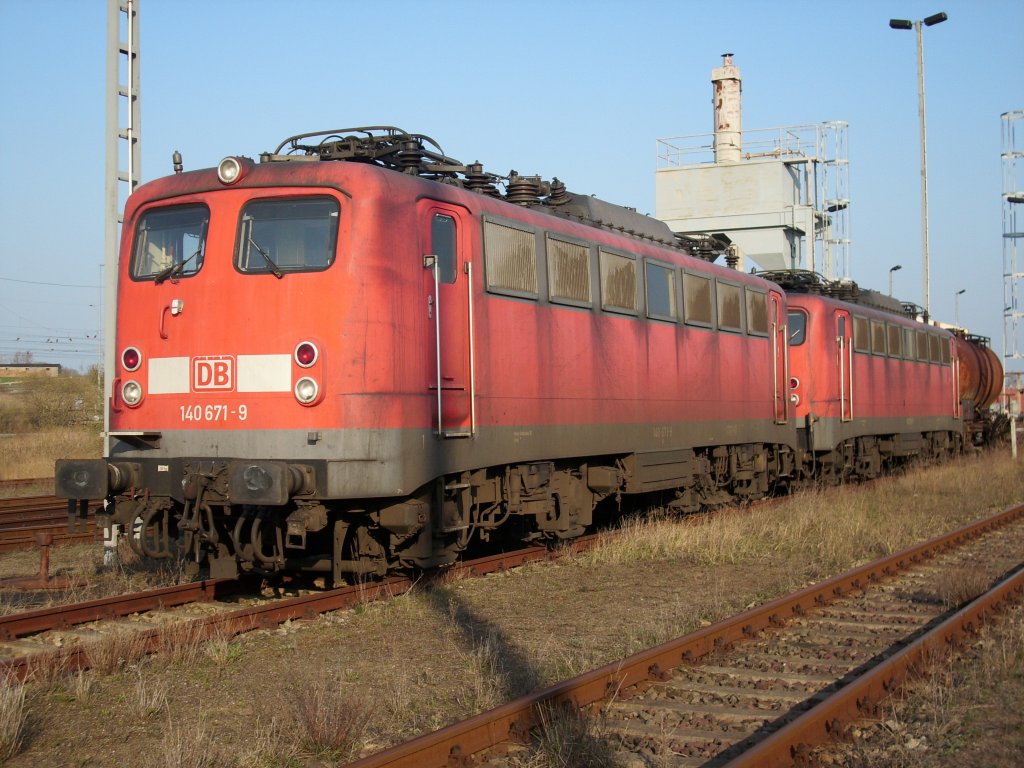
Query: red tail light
point(131, 359)
point(306, 354)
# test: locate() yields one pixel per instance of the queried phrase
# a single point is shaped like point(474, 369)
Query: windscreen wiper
point(273, 267)
point(175, 269)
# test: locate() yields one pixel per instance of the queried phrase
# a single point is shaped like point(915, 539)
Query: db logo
point(213, 373)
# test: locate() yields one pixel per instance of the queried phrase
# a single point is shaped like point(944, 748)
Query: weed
point(185, 747)
point(332, 721)
point(268, 746)
point(566, 738)
point(150, 696)
point(222, 650)
point(12, 719)
point(958, 586)
point(183, 642)
point(81, 686)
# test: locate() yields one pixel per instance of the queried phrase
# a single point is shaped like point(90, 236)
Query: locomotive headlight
point(131, 393)
point(794, 399)
point(794, 382)
point(230, 170)
point(306, 390)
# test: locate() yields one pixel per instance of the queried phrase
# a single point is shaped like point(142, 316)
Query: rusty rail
point(513, 721)
point(16, 625)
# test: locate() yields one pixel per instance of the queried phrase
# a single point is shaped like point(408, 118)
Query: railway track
point(23, 635)
point(763, 687)
point(21, 518)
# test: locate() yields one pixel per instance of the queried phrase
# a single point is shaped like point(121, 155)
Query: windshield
point(287, 235)
point(170, 241)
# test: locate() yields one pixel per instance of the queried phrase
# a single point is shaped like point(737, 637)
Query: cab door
point(844, 359)
point(447, 281)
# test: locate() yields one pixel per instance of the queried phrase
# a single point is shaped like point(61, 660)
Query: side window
point(729, 312)
point(909, 343)
point(947, 356)
point(287, 235)
point(797, 320)
point(935, 348)
point(877, 337)
point(922, 346)
point(861, 339)
point(661, 292)
point(568, 272)
point(697, 303)
point(510, 257)
point(757, 313)
point(895, 341)
point(618, 282)
point(442, 243)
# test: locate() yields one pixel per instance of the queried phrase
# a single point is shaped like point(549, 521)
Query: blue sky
point(577, 90)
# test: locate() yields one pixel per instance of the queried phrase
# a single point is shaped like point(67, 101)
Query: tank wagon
point(359, 354)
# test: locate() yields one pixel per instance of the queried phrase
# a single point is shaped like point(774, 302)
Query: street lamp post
point(895, 268)
point(956, 303)
point(929, 21)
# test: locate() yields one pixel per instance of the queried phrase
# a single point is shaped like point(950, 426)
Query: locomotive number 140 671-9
point(212, 412)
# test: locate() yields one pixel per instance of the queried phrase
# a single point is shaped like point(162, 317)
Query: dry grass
point(115, 652)
point(185, 747)
point(13, 718)
point(183, 642)
point(959, 586)
point(33, 454)
point(149, 695)
point(828, 529)
point(43, 419)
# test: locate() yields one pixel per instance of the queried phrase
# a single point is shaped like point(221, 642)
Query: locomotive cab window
point(287, 235)
point(797, 321)
point(697, 302)
point(730, 317)
point(170, 242)
point(510, 260)
point(661, 292)
point(757, 313)
point(947, 355)
point(618, 282)
point(568, 272)
point(935, 348)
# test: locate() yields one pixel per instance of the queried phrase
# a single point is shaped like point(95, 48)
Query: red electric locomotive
point(869, 385)
point(361, 355)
